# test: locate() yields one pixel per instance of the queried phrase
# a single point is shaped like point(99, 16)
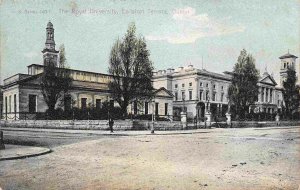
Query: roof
point(49, 25)
point(288, 55)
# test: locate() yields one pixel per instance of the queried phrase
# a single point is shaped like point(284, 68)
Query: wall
point(91, 124)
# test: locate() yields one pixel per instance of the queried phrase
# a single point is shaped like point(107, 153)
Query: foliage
point(131, 69)
point(291, 93)
point(243, 90)
point(55, 83)
point(62, 57)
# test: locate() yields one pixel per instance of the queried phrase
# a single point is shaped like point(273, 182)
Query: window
point(176, 85)
point(214, 86)
point(32, 103)
point(98, 103)
point(190, 95)
point(176, 96)
point(156, 108)
point(135, 107)
point(182, 85)
point(271, 96)
point(214, 97)
point(222, 97)
point(83, 103)
point(284, 65)
point(190, 84)
point(200, 96)
point(146, 108)
point(15, 103)
point(166, 108)
point(201, 84)
point(183, 95)
point(222, 87)
point(207, 95)
point(206, 84)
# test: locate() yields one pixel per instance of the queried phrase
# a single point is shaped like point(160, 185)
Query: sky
point(204, 33)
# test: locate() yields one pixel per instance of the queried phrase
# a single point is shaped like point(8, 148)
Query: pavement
point(12, 152)
point(105, 132)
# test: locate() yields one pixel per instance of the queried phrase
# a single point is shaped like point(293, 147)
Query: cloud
point(193, 27)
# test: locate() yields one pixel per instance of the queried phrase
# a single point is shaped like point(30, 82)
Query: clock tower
point(50, 55)
point(287, 61)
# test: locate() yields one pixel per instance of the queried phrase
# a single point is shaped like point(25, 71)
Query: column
point(265, 94)
point(269, 94)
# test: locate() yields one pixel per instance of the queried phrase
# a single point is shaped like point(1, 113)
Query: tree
point(243, 90)
point(131, 69)
point(62, 57)
point(291, 93)
point(55, 83)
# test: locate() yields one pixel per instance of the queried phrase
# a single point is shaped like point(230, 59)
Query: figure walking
point(111, 124)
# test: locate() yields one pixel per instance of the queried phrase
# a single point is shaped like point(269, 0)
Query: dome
point(49, 25)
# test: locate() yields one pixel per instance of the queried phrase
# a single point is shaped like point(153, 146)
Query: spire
point(50, 43)
point(50, 55)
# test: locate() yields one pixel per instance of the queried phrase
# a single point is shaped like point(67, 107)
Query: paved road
point(261, 158)
point(48, 138)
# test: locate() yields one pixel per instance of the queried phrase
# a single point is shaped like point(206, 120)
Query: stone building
point(23, 97)
point(198, 91)
point(195, 89)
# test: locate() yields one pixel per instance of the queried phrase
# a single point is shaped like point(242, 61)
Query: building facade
point(196, 91)
point(22, 95)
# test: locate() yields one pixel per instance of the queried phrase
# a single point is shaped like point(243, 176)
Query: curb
point(26, 156)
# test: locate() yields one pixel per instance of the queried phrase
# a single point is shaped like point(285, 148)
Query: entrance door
point(200, 110)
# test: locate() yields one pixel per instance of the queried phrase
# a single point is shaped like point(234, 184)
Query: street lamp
point(152, 126)
point(183, 100)
point(207, 103)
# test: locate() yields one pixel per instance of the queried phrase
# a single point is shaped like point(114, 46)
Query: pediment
point(268, 80)
point(163, 92)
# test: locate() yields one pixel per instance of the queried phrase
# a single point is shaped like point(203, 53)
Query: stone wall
point(91, 124)
point(242, 124)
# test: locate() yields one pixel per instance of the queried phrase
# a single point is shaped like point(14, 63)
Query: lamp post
point(228, 115)
point(152, 126)
point(183, 100)
point(208, 114)
point(183, 114)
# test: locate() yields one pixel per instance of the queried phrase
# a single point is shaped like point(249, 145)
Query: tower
point(50, 55)
point(287, 61)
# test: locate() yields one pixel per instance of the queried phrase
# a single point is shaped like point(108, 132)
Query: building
point(23, 97)
point(197, 90)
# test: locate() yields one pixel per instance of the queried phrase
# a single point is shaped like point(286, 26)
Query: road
point(264, 158)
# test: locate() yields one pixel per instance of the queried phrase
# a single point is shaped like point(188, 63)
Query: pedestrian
point(111, 124)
